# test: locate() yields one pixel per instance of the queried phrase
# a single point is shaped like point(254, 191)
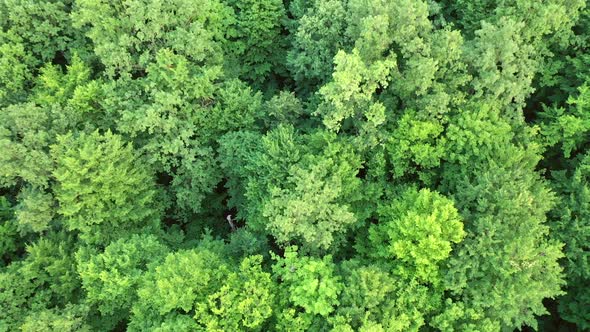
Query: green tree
point(128, 35)
point(256, 44)
point(311, 288)
point(318, 37)
point(200, 290)
point(44, 27)
point(15, 70)
point(71, 318)
point(298, 188)
point(373, 299)
point(46, 278)
point(174, 116)
point(506, 265)
point(417, 232)
point(24, 140)
point(9, 239)
point(565, 132)
point(102, 189)
point(110, 278)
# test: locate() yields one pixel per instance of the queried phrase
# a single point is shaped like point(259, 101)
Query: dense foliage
point(294, 165)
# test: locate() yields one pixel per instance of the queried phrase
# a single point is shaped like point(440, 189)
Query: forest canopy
point(294, 165)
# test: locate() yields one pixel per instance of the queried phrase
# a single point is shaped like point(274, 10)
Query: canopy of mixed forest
point(294, 165)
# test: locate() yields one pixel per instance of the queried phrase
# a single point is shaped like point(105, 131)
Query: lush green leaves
point(300, 165)
point(102, 189)
point(417, 231)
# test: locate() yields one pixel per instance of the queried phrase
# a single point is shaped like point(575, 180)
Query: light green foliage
point(69, 319)
point(310, 283)
point(15, 74)
point(110, 278)
point(102, 189)
point(128, 35)
point(419, 68)
point(375, 300)
point(502, 60)
point(175, 286)
point(71, 97)
point(350, 95)
point(300, 187)
point(416, 232)
point(200, 290)
point(415, 145)
point(478, 135)
point(243, 303)
point(60, 102)
point(429, 72)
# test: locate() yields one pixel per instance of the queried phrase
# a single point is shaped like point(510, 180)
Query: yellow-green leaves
point(102, 189)
point(200, 290)
point(415, 146)
point(111, 277)
point(310, 283)
point(244, 302)
point(350, 93)
point(416, 234)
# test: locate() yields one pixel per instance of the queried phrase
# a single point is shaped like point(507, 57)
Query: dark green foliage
point(570, 222)
point(565, 131)
point(256, 45)
point(9, 241)
point(296, 165)
point(43, 26)
point(44, 279)
point(175, 114)
point(504, 202)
